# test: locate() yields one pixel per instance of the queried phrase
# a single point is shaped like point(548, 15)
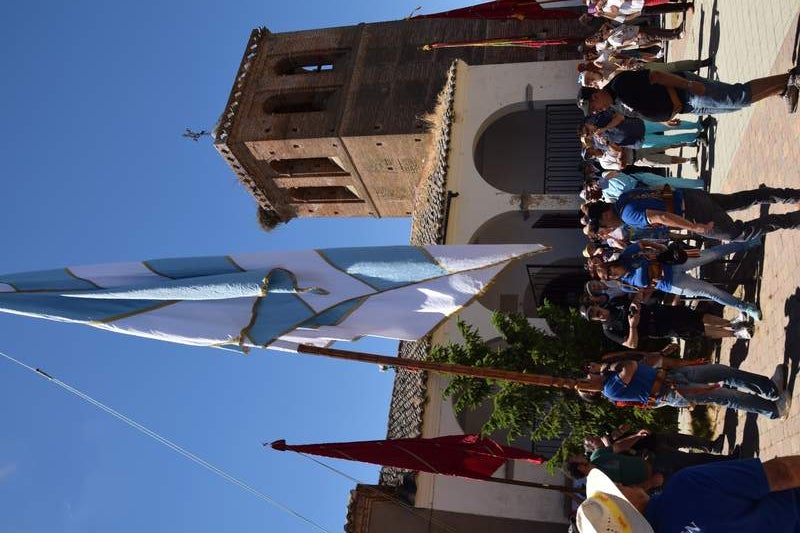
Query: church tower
point(330, 122)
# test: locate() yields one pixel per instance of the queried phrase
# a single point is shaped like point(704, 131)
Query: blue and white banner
point(269, 299)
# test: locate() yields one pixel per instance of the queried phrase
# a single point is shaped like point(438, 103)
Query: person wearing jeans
point(635, 270)
point(655, 133)
point(685, 285)
point(683, 386)
point(614, 183)
point(596, 75)
point(700, 212)
point(701, 207)
point(717, 97)
point(752, 393)
point(630, 132)
point(660, 96)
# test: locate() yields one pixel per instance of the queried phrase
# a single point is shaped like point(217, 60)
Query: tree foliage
point(541, 413)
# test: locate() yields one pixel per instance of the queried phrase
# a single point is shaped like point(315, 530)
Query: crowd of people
point(635, 217)
point(647, 232)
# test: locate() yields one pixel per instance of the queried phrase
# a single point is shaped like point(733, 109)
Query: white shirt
point(625, 7)
point(609, 161)
point(623, 35)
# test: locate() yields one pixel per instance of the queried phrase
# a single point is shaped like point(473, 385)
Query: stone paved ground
point(759, 145)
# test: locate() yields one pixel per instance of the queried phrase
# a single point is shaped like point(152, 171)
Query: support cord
point(419, 512)
point(169, 444)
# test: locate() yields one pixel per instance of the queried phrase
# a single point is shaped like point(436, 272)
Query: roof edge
point(409, 392)
point(227, 119)
point(221, 129)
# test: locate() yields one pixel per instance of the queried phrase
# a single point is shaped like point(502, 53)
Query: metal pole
point(546, 486)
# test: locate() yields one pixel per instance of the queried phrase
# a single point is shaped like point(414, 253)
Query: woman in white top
point(627, 10)
point(627, 36)
point(617, 157)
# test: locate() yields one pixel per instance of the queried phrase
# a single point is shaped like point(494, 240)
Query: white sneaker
point(742, 333)
point(740, 320)
point(753, 312)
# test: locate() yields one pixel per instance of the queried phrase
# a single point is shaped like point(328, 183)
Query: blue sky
point(94, 98)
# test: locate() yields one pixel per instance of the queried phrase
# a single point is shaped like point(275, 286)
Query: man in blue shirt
point(615, 183)
point(732, 496)
point(678, 385)
point(641, 271)
point(698, 211)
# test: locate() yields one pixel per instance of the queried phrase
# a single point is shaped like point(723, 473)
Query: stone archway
point(509, 153)
point(520, 288)
point(531, 147)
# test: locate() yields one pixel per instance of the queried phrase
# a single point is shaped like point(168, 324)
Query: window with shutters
point(311, 63)
point(308, 167)
point(298, 102)
point(324, 194)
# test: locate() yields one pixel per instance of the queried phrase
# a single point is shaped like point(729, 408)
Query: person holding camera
point(698, 211)
point(625, 322)
point(637, 270)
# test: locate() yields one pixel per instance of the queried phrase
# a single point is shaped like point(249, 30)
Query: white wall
point(483, 94)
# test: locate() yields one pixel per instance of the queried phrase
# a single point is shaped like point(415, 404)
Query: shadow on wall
point(509, 155)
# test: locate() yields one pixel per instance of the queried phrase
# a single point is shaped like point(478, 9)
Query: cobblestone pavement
point(758, 145)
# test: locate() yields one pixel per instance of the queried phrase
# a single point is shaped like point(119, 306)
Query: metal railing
point(561, 284)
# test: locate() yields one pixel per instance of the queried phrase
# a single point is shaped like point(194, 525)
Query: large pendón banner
point(267, 299)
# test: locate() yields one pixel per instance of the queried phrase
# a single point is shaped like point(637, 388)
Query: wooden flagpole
point(450, 368)
point(464, 370)
point(531, 484)
point(520, 41)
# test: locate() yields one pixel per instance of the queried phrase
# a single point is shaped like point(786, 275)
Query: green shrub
point(542, 413)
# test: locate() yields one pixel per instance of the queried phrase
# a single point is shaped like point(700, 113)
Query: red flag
point(456, 455)
point(505, 9)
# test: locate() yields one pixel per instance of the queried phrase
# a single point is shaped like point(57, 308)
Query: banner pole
point(451, 368)
point(531, 484)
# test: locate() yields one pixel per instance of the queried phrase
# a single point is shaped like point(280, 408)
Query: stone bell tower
point(329, 122)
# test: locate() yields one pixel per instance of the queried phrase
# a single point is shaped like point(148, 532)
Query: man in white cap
point(733, 496)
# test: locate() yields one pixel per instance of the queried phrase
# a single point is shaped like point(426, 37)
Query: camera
point(673, 255)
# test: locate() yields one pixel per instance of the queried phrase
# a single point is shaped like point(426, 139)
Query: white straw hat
point(606, 510)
